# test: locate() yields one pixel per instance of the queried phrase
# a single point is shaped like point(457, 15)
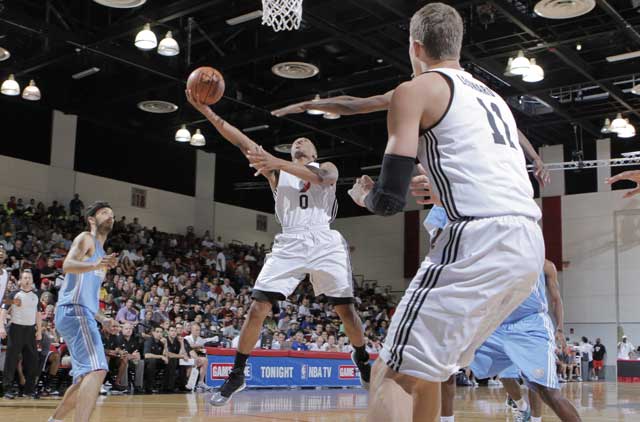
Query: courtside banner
point(267, 368)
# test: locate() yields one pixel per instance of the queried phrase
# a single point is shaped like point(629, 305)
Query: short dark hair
point(440, 29)
point(93, 209)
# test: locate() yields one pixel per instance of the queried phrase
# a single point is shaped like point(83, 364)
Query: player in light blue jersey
point(85, 267)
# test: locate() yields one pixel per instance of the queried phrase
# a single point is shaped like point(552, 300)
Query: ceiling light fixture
point(85, 73)
point(520, 64)
point(636, 89)
point(4, 54)
point(244, 18)
point(146, 39)
point(31, 92)
point(313, 111)
point(618, 123)
point(168, 46)
point(629, 131)
point(535, 72)
point(606, 127)
point(579, 47)
point(507, 70)
point(10, 86)
point(624, 56)
point(197, 140)
point(331, 116)
point(183, 135)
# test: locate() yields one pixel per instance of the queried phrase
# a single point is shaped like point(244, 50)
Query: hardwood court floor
point(601, 402)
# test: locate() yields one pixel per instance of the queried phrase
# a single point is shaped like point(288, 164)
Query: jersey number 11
point(491, 115)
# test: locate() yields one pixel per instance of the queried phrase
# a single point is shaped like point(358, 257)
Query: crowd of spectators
point(170, 296)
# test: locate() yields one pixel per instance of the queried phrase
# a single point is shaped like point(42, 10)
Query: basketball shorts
point(79, 329)
point(478, 272)
point(526, 347)
point(323, 254)
point(598, 364)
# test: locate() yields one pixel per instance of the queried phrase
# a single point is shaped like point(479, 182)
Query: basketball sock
point(54, 420)
point(240, 361)
point(447, 418)
point(534, 419)
point(522, 405)
point(361, 353)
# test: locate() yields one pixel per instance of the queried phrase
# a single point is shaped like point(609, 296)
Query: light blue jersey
point(75, 318)
point(536, 303)
point(84, 289)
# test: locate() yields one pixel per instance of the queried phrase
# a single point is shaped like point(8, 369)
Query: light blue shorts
point(79, 329)
point(525, 347)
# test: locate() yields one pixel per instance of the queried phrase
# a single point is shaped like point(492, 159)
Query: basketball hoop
point(282, 15)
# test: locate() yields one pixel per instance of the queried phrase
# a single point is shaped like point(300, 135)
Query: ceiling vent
point(563, 9)
point(295, 70)
point(121, 4)
point(157, 107)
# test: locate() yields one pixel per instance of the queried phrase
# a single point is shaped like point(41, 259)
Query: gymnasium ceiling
point(360, 47)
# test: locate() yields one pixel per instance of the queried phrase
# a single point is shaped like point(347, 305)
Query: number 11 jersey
point(473, 157)
point(300, 204)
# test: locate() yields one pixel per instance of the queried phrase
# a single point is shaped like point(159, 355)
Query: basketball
point(206, 85)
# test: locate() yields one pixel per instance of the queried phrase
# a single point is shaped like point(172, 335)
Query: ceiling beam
point(628, 29)
point(565, 54)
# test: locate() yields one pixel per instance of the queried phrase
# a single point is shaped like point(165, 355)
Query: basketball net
point(282, 15)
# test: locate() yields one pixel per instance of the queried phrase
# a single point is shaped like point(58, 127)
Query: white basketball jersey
point(302, 204)
point(473, 157)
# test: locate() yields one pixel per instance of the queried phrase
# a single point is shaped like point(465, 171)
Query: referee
point(24, 331)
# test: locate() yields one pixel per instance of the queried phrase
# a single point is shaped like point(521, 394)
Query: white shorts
point(323, 254)
point(479, 271)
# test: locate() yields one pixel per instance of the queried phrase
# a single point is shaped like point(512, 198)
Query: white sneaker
point(579, 379)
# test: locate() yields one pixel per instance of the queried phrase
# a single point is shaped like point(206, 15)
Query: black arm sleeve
point(389, 194)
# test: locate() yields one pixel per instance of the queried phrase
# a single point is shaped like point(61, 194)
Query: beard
point(105, 227)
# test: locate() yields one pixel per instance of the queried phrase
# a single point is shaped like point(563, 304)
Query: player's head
point(26, 280)
point(100, 216)
point(304, 148)
point(436, 33)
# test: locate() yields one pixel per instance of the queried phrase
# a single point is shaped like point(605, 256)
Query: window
point(261, 223)
point(138, 198)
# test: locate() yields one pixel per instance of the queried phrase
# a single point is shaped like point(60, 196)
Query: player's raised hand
point(201, 107)
point(292, 109)
point(108, 261)
point(632, 176)
point(541, 173)
point(361, 189)
point(262, 161)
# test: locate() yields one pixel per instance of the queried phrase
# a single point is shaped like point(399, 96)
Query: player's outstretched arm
point(555, 299)
point(263, 162)
point(344, 105)
point(227, 130)
point(74, 263)
point(632, 176)
point(540, 171)
point(387, 196)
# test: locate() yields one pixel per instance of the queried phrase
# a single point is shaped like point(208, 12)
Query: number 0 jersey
point(301, 204)
point(473, 157)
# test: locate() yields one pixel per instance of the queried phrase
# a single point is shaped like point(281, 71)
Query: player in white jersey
point(491, 252)
point(305, 196)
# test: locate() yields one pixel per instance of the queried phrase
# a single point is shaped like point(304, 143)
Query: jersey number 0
point(304, 201)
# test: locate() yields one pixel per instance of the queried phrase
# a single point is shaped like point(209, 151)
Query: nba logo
point(303, 374)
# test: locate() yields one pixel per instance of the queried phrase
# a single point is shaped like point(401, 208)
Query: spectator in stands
point(299, 343)
point(128, 313)
point(76, 206)
point(131, 346)
point(625, 348)
point(196, 346)
point(599, 352)
point(221, 263)
point(280, 343)
point(318, 345)
point(175, 352)
point(154, 358)
point(331, 345)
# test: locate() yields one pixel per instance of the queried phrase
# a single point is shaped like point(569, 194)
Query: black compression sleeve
point(389, 194)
